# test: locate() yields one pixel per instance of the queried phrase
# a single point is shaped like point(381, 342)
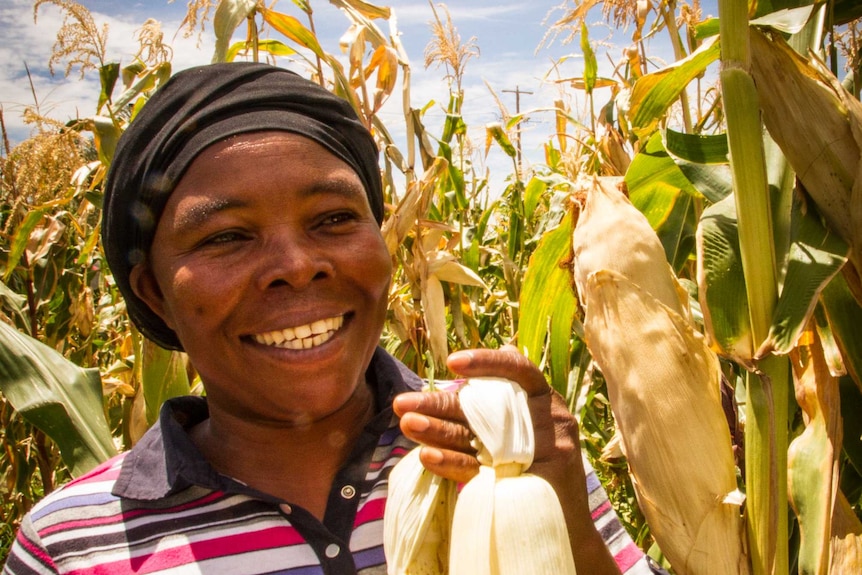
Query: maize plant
point(760, 228)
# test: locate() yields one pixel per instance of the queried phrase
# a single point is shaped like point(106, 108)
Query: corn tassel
point(506, 522)
point(663, 385)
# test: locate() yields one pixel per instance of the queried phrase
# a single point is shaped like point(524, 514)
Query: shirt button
point(348, 491)
point(332, 550)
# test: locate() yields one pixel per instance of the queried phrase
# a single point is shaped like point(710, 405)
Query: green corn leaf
point(654, 93)
point(14, 304)
point(816, 255)
point(163, 376)
point(699, 148)
point(533, 193)
point(591, 66)
point(20, 239)
point(108, 75)
point(146, 82)
point(721, 282)
point(58, 397)
point(273, 47)
point(845, 316)
point(228, 16)
point(703, 160)
point(548, 304)
point(663, 194)
point(653, 171)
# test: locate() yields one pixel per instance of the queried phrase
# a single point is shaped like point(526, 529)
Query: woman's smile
point(302, 336)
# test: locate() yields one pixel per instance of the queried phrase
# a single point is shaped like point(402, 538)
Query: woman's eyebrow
point(199, 212)
point(337, 186)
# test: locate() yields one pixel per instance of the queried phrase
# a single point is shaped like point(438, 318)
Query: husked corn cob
point(663, 385)
point(506, 522)
point(418, 519)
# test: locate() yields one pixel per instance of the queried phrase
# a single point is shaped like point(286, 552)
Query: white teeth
point(302, 331)
point(302, 336)
point(319, 326)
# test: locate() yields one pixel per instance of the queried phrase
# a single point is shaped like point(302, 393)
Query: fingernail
point(432, 456)
point(405, 403)
point(460, 359)
point(417, 422)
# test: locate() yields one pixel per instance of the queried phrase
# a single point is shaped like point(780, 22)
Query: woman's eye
point(338, 218)
point(223, 238)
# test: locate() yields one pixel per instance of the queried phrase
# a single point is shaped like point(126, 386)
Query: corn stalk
point(766, 384)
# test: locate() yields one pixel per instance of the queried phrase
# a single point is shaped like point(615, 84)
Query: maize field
point(685, 266)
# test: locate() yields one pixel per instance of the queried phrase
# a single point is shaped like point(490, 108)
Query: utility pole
point(517, 91)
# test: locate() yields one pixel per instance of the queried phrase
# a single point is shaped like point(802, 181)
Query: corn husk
point(507, 521)
point(825, 152)
point(663, 384)
point(418, 519)
point(629, 244)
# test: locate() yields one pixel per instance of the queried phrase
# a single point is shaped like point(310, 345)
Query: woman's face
point(271, 269)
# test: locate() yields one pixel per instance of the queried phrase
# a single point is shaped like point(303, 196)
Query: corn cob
point(418, 519)
point(630, 245)
point(663, 385)
point(505, 522)
point(793, 91)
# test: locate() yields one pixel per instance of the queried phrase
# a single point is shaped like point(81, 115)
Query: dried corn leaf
point(812, 474)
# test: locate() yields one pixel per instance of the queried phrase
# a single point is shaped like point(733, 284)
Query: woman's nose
point(293, 260)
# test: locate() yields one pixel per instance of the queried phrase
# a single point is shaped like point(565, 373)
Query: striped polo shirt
point(161, 508)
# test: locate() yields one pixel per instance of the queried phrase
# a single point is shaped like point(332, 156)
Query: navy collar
point(165, 461)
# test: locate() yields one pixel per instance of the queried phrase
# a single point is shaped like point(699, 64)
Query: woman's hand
point(436, 421)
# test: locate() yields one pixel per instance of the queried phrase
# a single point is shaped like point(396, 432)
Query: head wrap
point(199, 107)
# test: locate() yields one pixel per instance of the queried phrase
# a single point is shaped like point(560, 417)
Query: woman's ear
point(145, 286)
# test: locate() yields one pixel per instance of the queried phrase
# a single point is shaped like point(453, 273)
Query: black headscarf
point(199, 107)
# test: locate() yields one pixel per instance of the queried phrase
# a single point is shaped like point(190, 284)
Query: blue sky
point(508, 34)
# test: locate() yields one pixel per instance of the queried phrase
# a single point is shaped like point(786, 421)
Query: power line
point(518, 91)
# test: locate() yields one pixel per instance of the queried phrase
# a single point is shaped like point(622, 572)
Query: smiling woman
point(242, 224)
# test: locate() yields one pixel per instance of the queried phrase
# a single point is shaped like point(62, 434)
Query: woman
point(241, 223)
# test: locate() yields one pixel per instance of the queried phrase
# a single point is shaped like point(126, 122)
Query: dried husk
point(663, 384)
point(825, 152)
point(612, 234)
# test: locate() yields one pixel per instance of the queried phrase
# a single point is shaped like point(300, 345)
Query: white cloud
point(61, 98)
point(507, 34)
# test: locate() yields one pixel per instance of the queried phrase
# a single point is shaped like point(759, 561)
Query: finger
point(506, 362)
point(453, 465)
point(439, 433)
point(439, 404)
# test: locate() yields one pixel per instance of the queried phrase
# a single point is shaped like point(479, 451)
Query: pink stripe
point(371, 511)
point(107, 470)
point(396, 452)
point(123, 517)
point(628, 556)
point(36, 551)
point(199, 551)
point(601, 510)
